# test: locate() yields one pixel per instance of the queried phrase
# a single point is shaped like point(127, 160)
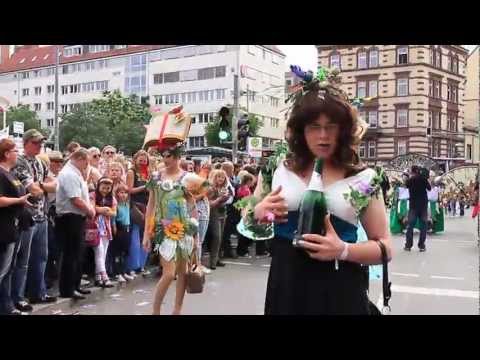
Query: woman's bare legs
point(168, 275)
point(181, 286)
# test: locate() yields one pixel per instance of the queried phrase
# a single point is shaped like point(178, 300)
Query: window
point(361, 89)
point(158, 78)
point(438, 58)
point(102, 64)
point(50, 105)
point(36, 73)
point(24, 92)
point(373, 119)
point(362, 60)
point(372, 149)
point(468, 154)
point(50, 71)
point(102, 85)
point(402, 55)
point(373, 88)
point(37, 107)
point(449, 92)
point(74, 88)
point(25, 75)
point(402, 117)
point(455, 94)
point(373, 57)
point(435, 150)
point(50, 89)
point(361, 149)
point(455, 64)
point(220, 71)
point(137, 63)
point(401, 147)
point(171, 77)
point(89, 66)
point(335, 61)
point(210, 95)
point(71, 51)
point(206, 73)
point(402, 87)
point(64, 89)
point(50, 122)
point(158, 99)
point(64, 109)
point(196, 141)
point(434, 119)
point(220, 94)
point(98, 48)
point(188, 75)
point(38, 90)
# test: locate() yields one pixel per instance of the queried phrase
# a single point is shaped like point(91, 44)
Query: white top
point(70, 184)
point(433, 194)
point(403, 193)
point(293, 189)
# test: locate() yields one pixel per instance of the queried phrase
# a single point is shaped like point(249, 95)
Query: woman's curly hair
point(330, 102)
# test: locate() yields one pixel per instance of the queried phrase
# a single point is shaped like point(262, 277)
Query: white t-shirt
point(70, 184)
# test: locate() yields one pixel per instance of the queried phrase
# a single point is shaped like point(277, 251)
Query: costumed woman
point(403, 202)
point(395, 225)
point(435, 208)
point(171, 223)
point(324, 274)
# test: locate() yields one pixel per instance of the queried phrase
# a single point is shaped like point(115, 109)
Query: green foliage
point(114, 119)
point(22, 113)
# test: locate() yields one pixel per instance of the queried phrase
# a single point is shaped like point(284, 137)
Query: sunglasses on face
point(96, 156)
point(109, 152)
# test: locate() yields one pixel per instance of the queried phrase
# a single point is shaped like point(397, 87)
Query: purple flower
point(364, 187)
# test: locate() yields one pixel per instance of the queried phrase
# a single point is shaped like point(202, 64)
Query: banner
point(18, 127)
point(4, 133)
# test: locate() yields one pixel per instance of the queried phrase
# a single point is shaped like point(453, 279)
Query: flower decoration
point(173, 229)
point(361, 191)
point(167, 185)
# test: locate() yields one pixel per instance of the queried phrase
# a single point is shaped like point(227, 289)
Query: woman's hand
point(324, 248)
point(272, 203)
point(147, 244)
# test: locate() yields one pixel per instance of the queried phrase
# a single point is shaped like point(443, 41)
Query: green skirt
point(438, 217)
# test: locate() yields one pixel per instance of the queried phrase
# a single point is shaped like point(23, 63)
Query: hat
point(55, 156)
point(32, 134)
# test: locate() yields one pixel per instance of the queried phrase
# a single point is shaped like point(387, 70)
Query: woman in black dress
point(325, 275)
point(12, 201)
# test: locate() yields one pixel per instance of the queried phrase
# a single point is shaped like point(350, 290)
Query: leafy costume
point(171, 228)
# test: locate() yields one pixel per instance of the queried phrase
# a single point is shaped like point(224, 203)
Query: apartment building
point(418, 97)
point(472, 108)
point(198, 76)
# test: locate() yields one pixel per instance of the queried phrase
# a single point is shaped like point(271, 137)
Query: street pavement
point(444, 280)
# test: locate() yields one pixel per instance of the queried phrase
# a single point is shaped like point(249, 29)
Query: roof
point(274, 48)
point(33, 57)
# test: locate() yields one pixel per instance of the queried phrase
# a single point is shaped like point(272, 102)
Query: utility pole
point(248, 93)
point(57, 127)
point(236, 96)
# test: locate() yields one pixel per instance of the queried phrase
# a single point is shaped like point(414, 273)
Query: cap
point(55, 155)
point(33, 134)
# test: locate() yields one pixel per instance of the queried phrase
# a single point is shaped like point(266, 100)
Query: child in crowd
point(116, 174)
point(106, 209)
point(245, 186)
point(121, 235)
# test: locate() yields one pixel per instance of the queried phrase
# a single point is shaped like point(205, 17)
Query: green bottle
point(313, 207)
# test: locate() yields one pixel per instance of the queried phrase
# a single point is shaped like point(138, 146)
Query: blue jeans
point(137, 256)
point(7, 260)
point(32, 260)
point(202, 231)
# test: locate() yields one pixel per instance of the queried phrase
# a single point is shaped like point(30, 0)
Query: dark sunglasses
point(109, 152)
point(96, 156)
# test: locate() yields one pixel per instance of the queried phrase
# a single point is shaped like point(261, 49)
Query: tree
point(114, 119)
point(213, 128)
point(29, 118)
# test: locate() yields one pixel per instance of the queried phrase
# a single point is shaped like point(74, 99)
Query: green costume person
point(435, 211)
point(396, 226)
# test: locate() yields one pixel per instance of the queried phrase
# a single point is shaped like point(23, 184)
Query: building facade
point(418, 97)
point(472, 108)
point(200, 77)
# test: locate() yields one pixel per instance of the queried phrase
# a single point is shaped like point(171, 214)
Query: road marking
point(435, 291)
point(404, 274)
point(237, 263)
point(447, 277)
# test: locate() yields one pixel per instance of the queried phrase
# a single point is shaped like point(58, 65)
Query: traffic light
point(225, 128)
point(243, 131)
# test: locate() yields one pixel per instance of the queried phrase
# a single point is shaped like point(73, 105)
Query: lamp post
point(57, 127)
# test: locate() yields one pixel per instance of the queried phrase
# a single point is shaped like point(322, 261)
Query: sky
point(306, 55)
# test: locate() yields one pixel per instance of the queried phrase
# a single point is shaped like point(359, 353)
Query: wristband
point(343, 256)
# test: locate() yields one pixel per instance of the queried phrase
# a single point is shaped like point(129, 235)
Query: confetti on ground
point(115, 295)
point(143, 303)
point(140, 291)
point(89, 306)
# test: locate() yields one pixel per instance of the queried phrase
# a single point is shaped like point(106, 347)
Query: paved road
point(443, 280)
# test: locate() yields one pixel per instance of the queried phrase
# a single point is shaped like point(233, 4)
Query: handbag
point(137, 213)
point(386, 284)
point(92, 236)
point(195, 277)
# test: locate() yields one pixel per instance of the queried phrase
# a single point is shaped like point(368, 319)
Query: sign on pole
point(254, 147)
point(18, 127)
